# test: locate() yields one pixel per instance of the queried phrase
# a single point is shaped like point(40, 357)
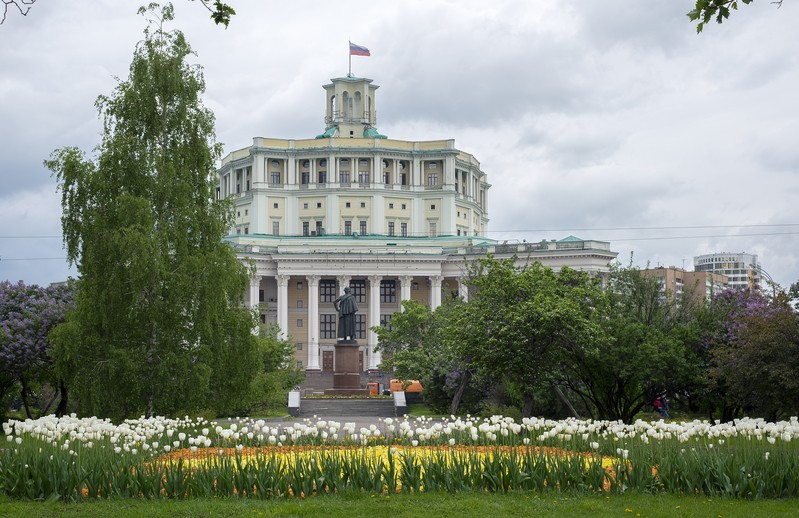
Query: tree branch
point(22, 5)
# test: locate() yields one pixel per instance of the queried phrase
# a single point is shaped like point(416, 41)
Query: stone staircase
point(339, 407)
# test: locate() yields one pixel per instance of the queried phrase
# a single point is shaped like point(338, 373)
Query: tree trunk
point(565, 401)
point(61, 410)
point(25, 397)
point(456, 399)
point(527, 405)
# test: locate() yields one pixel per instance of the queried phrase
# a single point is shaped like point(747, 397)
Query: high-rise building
point(741, 269)
point(391, 219)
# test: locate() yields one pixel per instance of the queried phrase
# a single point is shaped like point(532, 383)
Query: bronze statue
point(346, 307)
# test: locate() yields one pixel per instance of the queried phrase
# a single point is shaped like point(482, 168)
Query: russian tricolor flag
point(357, 50)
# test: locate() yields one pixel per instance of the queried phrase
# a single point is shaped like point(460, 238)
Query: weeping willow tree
point(158, 326)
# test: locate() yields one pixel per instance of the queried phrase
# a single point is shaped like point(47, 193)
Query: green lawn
point(415, 506)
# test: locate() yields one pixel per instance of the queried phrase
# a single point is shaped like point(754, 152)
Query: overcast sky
point(608, 120)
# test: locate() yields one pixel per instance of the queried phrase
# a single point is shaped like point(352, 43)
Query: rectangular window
point(299, 322)
point(347, 204)
point(432, 229)
point(404, 229)
point(274, 205)
point(327, 326)
point(261, 296)
point(363, 204)
point(306, 229)
point(363, 177)
point(319, 230)
point(390, 228)
point(348, 228)
point(327, 290)
point(388, 292)
point(344, 177)
point(304, 205)
point(275, 228)
point(299, 364)
point(263, 318)
point(299, 346)
point(360, 327)
point(319, 205)
point(403, 178)
point(432, 179)
point(322, 176)
point(358, 290)
point(363, 228)
point(306, 178)
point(390, 205)
point(386, 177)
point(275, 180)
point(246, 230)
point(385, 321)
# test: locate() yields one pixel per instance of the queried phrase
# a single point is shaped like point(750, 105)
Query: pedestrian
point(664, 406)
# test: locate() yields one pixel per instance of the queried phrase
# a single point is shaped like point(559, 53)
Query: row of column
point(373, 315)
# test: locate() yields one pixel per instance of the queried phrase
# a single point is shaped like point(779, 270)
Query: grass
point(415, 506)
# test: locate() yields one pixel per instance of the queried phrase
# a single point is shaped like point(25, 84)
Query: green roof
point(329, 132)
point(370, 132)
point(570, 239)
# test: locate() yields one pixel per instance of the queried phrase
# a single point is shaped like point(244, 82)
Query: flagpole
point(349, 52)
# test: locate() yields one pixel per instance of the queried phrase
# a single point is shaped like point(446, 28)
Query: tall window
point(327, 290)
point(275, 178)
point(386, 177)
point(327, 326)
point(390, 228)
point(344, 177)
point(432, 229)
point(432, 179)
point(404, 229)
point(404, 178)
point(360, 327)
point(319, 230)
point(275, 228)
point(385, 321)
point(363, 227)
point(358, 290)
point(322, 176)
point(306, 228)
point(363, 177)
point(388, 291)
point(305, 178)
point(348, 228)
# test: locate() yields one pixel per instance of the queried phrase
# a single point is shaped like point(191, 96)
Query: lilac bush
point(27, 315)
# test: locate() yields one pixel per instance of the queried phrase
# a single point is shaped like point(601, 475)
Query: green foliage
point(522, 322)
point(158, 326)
point(640, 350)
point(706, 10)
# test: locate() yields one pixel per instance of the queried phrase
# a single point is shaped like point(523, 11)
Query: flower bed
point(73, 458)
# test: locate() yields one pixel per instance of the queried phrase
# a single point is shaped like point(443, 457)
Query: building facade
point(741, 269)
point(676, 283)
point(394, 220)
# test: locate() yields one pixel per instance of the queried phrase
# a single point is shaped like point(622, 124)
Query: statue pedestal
point(346, 372)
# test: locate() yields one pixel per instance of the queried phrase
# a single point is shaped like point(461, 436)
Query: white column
point(373, 319)
point(283, 304)
point(343, 282)
point(435, 291)
point(255, 285)
point(313, 323)
point(463, 289)
point(405, 289)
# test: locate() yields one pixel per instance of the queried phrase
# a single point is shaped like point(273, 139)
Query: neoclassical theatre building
point(391, 219)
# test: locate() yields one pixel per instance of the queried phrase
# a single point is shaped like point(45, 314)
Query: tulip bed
point(75, 459)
